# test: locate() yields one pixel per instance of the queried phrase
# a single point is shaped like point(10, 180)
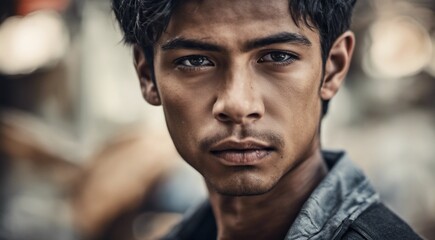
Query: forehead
point(232, 20)
point(230, 10)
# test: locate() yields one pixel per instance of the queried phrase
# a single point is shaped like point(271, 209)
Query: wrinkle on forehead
point(231, 22)
point(233, 9)
point(230, 11)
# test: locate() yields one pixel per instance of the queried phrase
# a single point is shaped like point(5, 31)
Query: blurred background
point(78, 152)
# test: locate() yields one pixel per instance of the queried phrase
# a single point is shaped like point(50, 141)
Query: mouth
point(238, 153)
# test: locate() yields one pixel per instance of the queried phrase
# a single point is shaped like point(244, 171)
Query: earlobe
point(144, 72)
point(337, 65)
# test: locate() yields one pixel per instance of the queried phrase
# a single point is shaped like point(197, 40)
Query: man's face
point(239, 85)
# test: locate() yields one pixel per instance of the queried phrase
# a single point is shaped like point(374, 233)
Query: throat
point(261, 223)
point(270, 215)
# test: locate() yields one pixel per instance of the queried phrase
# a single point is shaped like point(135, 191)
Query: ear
point(337, 64)
point(144, 73)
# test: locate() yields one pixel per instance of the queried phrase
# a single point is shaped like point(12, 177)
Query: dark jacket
point(377, 223)
point(343, 206)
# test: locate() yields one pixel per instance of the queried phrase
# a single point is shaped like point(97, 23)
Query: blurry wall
point(385, 114)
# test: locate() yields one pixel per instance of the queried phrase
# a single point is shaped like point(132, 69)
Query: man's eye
point(193, 61)
point(278, 57)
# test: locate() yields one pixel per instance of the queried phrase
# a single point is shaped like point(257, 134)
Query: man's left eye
point(194, 61)
point(278, 57)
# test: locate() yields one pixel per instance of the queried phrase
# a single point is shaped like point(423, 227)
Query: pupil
point(278, 56)
point(196, 61)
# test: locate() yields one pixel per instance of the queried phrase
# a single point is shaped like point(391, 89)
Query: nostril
point(223, 117)
point(254, 116)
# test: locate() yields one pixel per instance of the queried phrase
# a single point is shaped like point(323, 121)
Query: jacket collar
point(341, 196)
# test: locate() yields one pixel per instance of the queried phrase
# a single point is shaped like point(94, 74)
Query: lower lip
point(238, 158)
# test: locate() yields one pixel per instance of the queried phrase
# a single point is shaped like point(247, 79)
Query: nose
point(239, 100)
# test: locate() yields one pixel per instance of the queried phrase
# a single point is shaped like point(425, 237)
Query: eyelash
point(290, 58)
point(179, 63)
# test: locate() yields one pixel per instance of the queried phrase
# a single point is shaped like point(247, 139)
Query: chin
point(242, 185)
point(240, 192)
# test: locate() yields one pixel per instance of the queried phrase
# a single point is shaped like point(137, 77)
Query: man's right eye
point(193, 61)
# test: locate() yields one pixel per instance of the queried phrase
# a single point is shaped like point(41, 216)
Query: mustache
point(272, 138)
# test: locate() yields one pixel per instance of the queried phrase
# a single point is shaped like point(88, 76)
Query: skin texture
point(246, 113)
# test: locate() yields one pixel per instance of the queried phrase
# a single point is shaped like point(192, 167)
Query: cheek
point(296, 93)
point(174, 107)
point(178, 122)
point(296, 107)
point(185, 111)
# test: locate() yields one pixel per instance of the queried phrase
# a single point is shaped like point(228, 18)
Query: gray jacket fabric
point(344, 194)
point(343, 206)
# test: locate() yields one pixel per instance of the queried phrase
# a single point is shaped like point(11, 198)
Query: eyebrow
point(282, 37)
point(183, 43)
point(192, 44)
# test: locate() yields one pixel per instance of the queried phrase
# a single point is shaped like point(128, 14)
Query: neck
point(270, 215)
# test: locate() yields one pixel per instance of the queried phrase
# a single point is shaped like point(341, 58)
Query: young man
point(244, 85)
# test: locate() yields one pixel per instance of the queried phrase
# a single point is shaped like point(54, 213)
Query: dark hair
point(143, 21)
point(7, 9)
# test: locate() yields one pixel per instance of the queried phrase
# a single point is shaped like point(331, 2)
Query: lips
point(236, 153)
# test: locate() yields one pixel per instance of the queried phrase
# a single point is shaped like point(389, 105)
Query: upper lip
point(240, 145)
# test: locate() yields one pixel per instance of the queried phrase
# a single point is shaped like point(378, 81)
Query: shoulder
point(378, 222)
